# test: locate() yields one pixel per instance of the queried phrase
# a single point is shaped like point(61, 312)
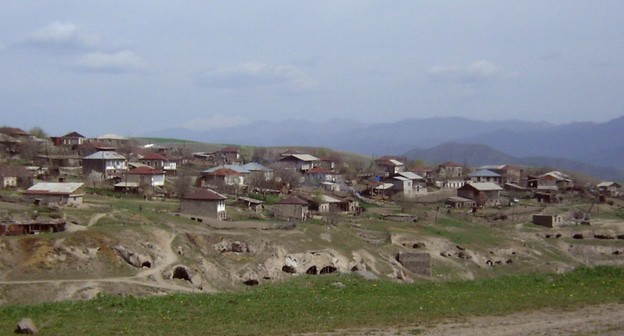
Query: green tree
point(39, 133)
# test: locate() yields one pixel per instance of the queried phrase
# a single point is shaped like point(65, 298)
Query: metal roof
point(205, 195)
point(111, 137)
point(484, 173)
point(411, 176)
point(238, 169)
point(484, 186)
point(490, 167)
point(305, 157)
point(105, 155)
point(54, 187)
point(608, 184)
point(254, 166)
point(292, 200)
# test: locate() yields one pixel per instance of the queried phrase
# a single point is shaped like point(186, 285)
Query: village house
point(319, 175)
point(325, 204)
point(227, 155)
point(254, 169)
point(332, 204)
point(389, 165)
point(483, 193)
point(36, 226)
point(460, 202)
point(547, 220)
point(484, 175)
point(9, 145)
point(408, 184)
point(109, 164)
point(327, 162)
point(8, 177)
point(204, 203)
point(508, 173)
point(611, 189)
point(17, 133)
point(553, 180)
point(220, 177)
point(113, 140)
point(450, 170)
point(251, 204)
point(291, 208)
point(55, 193)
point(450, 183)
point(70, 140)
point(427, 173)
point(378, 187)
point(301, 162)
point(61, 164)
point(14, 177)
point(92, 146)
point(160, 161)
point(145, 177)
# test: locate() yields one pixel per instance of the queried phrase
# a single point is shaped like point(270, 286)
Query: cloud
point(214, 121)
point(255, 75)
point(62, 35)
point(116, 62)
point(476, 72)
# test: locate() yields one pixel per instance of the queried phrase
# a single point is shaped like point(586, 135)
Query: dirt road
point(602, 320)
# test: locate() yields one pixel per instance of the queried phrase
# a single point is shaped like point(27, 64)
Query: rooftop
point(105, 155)
point(484, 173)
point(205, 195)
point(54, 188)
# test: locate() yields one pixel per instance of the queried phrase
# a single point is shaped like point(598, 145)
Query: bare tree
point(39, 133)
point(182, 185)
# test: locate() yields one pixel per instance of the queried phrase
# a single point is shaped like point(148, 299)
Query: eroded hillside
point(137, 247)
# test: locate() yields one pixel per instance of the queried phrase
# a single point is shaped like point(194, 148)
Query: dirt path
point(95, 218)
point(600, 320)
point(164, 241)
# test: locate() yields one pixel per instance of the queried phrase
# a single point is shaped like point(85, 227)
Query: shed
point(59, 193)
point(204, 203)
point(547, 220)
point(291, 207)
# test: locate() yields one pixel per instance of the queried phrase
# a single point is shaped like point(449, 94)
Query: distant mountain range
point(593, 144)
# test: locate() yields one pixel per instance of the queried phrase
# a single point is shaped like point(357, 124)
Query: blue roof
point(484, 173)
point(236, 168)
point(254, 166)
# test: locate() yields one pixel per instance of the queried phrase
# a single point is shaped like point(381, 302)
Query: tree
point(288, 177)
point(39, 133)
point(182, 185)
point(246, 153)
point(259, 155)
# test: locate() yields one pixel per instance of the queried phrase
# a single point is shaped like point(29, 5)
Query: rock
point(418, 263)
point(339, 285)
point(233, 246)
point(368, 275)
point(132, 258)
point(26, 326)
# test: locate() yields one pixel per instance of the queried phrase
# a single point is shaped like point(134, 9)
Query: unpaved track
point(95, 218)
point(163, 240)
point(599, 320)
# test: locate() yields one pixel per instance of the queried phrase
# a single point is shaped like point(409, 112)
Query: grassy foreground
point(317, 303)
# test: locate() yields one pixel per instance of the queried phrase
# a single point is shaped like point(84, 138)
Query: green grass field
point(315, 303)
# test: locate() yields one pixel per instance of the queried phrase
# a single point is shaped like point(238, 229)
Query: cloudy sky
point(130, 67)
